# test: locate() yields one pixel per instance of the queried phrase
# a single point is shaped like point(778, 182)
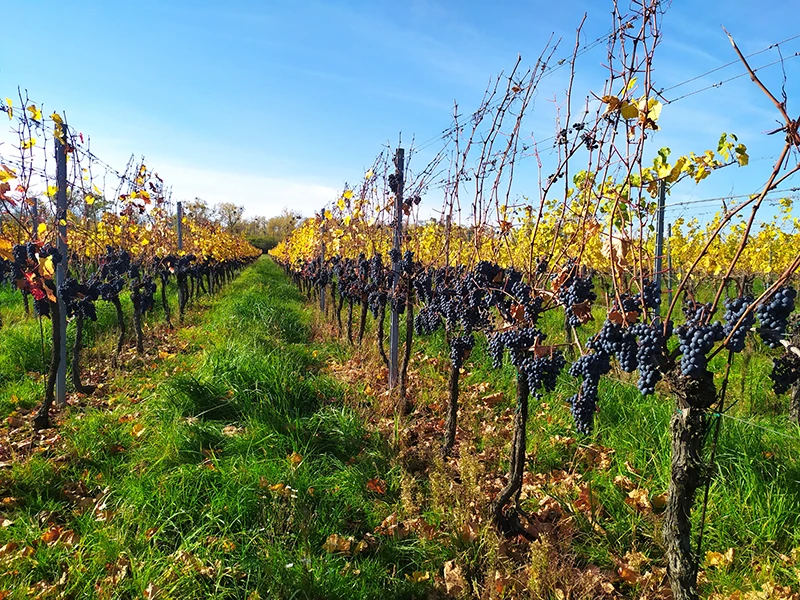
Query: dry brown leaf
point(376, 485)
point(718, 559)
point(639, 499)
point(51, 536)
point(454, 581)
point(493, 399)
point(659, 501)
point(8, 548)
point(14, 422)
point(624, 483)
point(628, 575)
point(337, 544)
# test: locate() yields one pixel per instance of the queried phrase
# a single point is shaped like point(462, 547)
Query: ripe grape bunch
point(774, 315)
point(584, 404)
point(576, 290)
point(652, 344)
point(696, 341)
point(542, 371)
point(785, 372)
point(516, 341)
point(460, 348)
point(735, 308)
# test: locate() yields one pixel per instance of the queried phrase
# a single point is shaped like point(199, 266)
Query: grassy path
point(228, 469)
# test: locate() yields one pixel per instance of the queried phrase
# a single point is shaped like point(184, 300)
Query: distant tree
point(265, 233)
point(230, 216)
point(282, 225)
point(199, 210)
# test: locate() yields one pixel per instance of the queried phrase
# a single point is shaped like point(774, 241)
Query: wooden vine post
point(394, 331)
point(61, 267)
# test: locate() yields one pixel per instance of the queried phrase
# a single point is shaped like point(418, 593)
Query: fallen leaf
point(624, 483)
point(718, 559)
point(639, 499)
point(454, 581)
point(659, 501)
point(51, 535)
point(628, 575)
point(337, 544)
point(294, 459)
point(493, 399)
point(377, 485)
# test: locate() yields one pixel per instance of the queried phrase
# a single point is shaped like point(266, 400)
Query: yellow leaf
point(46, 268)
point(419, 576)
point(51, 191)
point(89, 199)
point(340, 204)
point(7, 173)
point(5, 249)
point(10, 110)
point(328, 214)
point(369, 174)
point(347, 194)
point(29, 143)
point(629, 111)
point(36, 114)
point(137, 430)
point(741, 155)
point(57, 118)
point(612, 101)
point(718, 559)
point(295, 459)
point(41, 229)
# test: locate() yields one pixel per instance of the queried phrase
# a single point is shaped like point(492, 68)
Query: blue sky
point(276, 104)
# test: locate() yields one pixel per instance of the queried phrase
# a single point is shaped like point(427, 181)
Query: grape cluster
point(652, 345)
point(774, 315)
point(696, 342)
point(576, 290)
point(542, 371)
point(583, 405)
point(25, 264)
point(394, 183)
point(785, 372)
point(407, 264)
point(427, 320)
point(460, 348)
point(516, 341)
point(651, 294)
point(735, 308)
point(79, 298)
point(697, 312)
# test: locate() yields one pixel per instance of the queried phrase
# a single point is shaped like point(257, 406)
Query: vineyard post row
point(68, 256)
